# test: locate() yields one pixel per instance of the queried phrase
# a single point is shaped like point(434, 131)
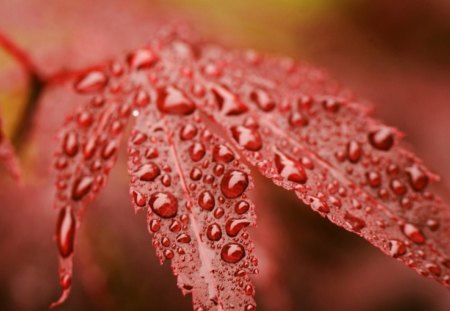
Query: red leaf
point(299, 128)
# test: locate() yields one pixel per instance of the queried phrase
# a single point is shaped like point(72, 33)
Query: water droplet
point(138, 138)
point(93, 81)
point(298, 119)
point(241, 207)
point(318, 205)
point(354, 151)
point(65, 281)
point(397, 187)
point(195, 174)
point(263, 100)
point(183, 238)
point(232, 252)
point(165, 241)
point(84, 119)
point(188, 132)
point(382, 139)
point(164, 204)
point(374, 179)
point(219, 212)
point(109, 150)
point(433, 224)
point(143, 58)
point(65, 231)
point(213, 232)
point(234, 183)
point(81, 187)
point(173, 101)
point(396, 248)
point(139, 198)
point(154, 225)
point(196, 151)
point(417, 178)
point(250, 307)
point(250, 139)
point(148, 171)
point(222, 153)
point(175, 226)
point(218, 169)
point(355, 223)
point(433, 268)
point(229, 104)
point(168, 253)
point(166, 180)
point(235, 225)
point(206, 201)
point(413, 233)
point(70, 144)
point(331, 105)
point(290, 169)
point(141, 99)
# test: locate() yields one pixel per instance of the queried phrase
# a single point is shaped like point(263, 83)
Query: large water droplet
point(234, 183)
point(262, 100)
point(143, 58)
point(222, 153)
point(250, 139)
point(232, 252)
point(213, 232)
point(354, 151)
point(93, 81)
point(164, 204)
point(382, 139)
point(148, 171)
point(65, 231)
point(290, 169)
point(235, 225)
point(206, 201)
point(396, 248)
point(81, 187)
point(413, 233)
point(70, 144)
point(417, 178)
point(229, 103)
point(196, 151)
point(173, 101)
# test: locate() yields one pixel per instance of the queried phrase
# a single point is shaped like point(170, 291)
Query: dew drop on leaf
point(290, 169)
point(213, 232)
point(298, 119)
point(70, 144)
point(91, 82)
point(148, 171)
point(234, 183)
point(173, 101)
point(396, 248)
point(374, 179)
point(196, 151)
point(354, 151)
point(382, 139)
point(188, 132)
point(229, 104)
point(250, 139)
point(232, 252)
point(143, 58)
point(262, 99)
point(241, 207)
point(222, 153)
point(65, 231)
point(164, 204)
point(234, 225)
point(417, 178)
point(355, 223)
point(206, 201)
point(413, 233)
point(81, 187)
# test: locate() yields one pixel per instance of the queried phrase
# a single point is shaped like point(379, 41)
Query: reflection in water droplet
point(234, 183)
point(232, 252)
point(164, 204)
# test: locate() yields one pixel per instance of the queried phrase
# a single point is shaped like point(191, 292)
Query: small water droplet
point(81, 187)
point(250, 139)
point(417, 178)
point(241, 207)
point(234, 225)
point(318, 205)
point(143, 58)
point(290, 169)
point(396, 248)
point(139, 198)
point(398, 187)
point(70, 144)
point(213, 232)
point(65, 231)
point(195, 174)
point(298, 119)
point(93, 81)
point(382, 139)
point(234, 183)
point(262, 99)
point(355, 223)
point(173, 101)
point(331, 105)
point(154, 225)
point(374, 179)
point(183, 238)
point(229, 104)
point(164, 204)
point(222, 153)
point(148, 171)
point(141, 99)
point(354, 151)
point(188, 132)
point(196, 151)
point(206, 201)
point(232, 252)
point(413, 233)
